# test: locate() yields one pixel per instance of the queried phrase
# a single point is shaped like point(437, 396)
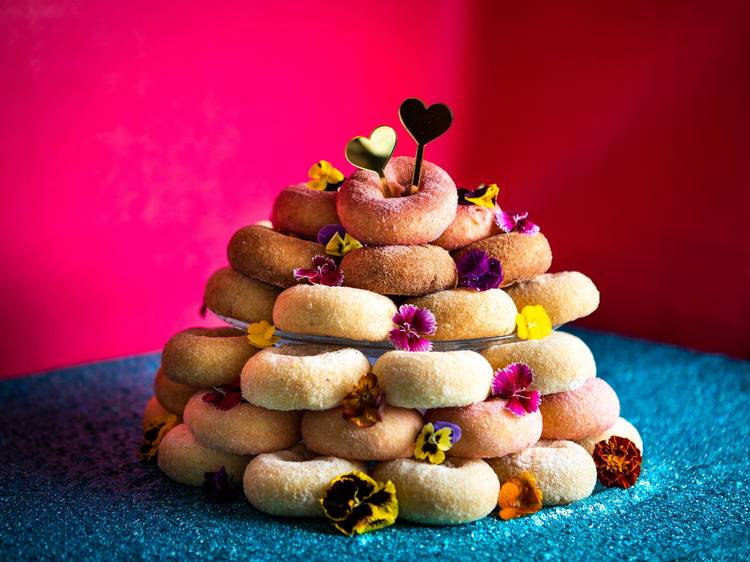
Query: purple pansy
point(329, 231)
point(479, 271)
point(324, 272)
point(413, 324)
point(515, 222)
point(455, 430)
point(511, 384)
point(217, 486)
point(225, 397)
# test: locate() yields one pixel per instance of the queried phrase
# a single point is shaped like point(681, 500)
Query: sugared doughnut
point(206, 356)
point(267, 255)
point(400, 270)
point(154, 413)
point(372, 218)
point(466, 313)
point(621, 428)
point(172, 395)
point(563, 470)
point(433, 380)
point(185, 460)
point(290, 483)
point(302, 211)
point(302, 377)
point(328, 433)
point(560, 362)
point(579, 413)
point(232, 294)
point(488, 429)
point(522, 256)
point(454, 492)
point(472, 223)
point(565, 296)
point(342, 312)
point(242, 430)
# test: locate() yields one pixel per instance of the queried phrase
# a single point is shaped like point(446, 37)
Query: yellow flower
point(533, 323)
point(338, 246)
point(260, 334)
point(323, 176)
point(153, 435)
point(488, 198)
point(355, 503)
point(434, 440)
point(519, 496)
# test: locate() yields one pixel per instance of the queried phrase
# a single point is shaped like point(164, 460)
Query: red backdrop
point(138, 136)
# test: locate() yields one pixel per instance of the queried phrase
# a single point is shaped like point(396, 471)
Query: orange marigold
point(363, 406)
point(618, 462)
point(519, 496)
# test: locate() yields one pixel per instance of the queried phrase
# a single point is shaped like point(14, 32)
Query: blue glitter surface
point(72, 487)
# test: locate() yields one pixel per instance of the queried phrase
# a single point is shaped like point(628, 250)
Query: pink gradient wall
point(138, 136)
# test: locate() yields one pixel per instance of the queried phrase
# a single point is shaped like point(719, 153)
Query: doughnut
point(342, 312)
point(400, 270)
point(564, 471)
point(154, 413)
point(433, 380)
point(522, 256)
point(467, 314)
point(265, 222)
point(454, 492)
point(560, 362)
point(372, 218)
point(302, 377)
point(242, 430)
point(621, 428)
point(328, 433)
point(472, 223)
point(566, 296)
point(290, 483)
point(302, 211)
point(579, 413)
point(185, 460)
point(232, 294)
point(172, 395)
point(269, 256)
point(206, 356)
point(488, 429)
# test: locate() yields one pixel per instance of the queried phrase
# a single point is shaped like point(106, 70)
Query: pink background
point(137, 137)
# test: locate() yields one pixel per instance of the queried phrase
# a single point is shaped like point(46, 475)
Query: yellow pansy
point(153, 435)
point(260, 334)
point(533, 323)
point(487, 199)
point(338, 246)
point(323, 176)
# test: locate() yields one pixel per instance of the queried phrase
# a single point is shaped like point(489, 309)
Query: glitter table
point(73, 489)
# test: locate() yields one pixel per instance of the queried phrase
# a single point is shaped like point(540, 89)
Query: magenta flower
point(479, 271)
point(515, 222)
point(329, 231)
point(511, 384)
point(225, 397)
point(413, 324)
point(324, 272)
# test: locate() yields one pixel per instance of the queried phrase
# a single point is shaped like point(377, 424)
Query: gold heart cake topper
point(373, 152)
point(424, 124)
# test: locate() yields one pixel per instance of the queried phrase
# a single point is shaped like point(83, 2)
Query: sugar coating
point(454, 492)
point(466, 313)
point(185, 460)
point(232, 294)
point(472, 223)
point(302, 211)
point(579, 413)
point(433, 379)
point(564, 471)
point(621, 428)
point(154, 413)
point(172, 395)
point(560, 362)
point(566, 296)
point(302, 377)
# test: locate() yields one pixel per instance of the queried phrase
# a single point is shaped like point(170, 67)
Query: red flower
point(618, 462)
point(323, 272)
point(225, 397)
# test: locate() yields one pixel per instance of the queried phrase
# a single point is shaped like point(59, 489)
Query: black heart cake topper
point(424, 124)
point(373, 152)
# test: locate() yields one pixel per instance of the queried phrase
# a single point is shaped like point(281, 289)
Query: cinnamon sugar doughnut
point(172, 395)
point(566, 296)
point(454, 492)
point(472, 223)
point(328, 433)
point(522, 256)
point(232, 294)
point(579, 413)
point(342, 312)
point(621, 428)
point(267, 255)
point(433, 380)
point(466, 313)
point(302, 211)
point(374, 219)
point(302, 377)
point(400, 270)
point(206, 357)
point(154, 413)
point(488, 429)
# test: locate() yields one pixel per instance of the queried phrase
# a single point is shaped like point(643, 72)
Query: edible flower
point(336, 240)
point(618, 462)
point(323, 272)
point(479, 271)
point(519, 496)
point(217, 486)
point(355, 503)
point(515, 222)
point(413, 323)
point(328, 231)
point(482, 196)
point(435, 439)
point(260, 334)
point(533, 323)
point(324, 177)
point(363, 406)
point(511, 384)
point(153, 435)
point(225, 397)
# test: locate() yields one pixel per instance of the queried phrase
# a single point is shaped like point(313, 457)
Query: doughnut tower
point(395, 340)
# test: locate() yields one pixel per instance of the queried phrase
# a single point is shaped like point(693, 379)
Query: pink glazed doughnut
point(580, 413)
point(372, 218)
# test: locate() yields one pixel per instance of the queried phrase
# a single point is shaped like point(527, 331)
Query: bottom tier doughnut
point(621, 428)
